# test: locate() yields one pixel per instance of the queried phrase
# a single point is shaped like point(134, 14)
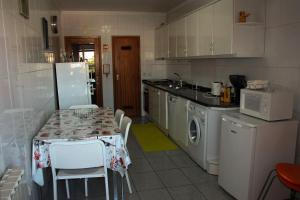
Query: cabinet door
point(192, 34)
point(163, 110)
point(156, 106)
point(181, 134)
point(165, 41)
point(172, 40)
point(181, 37)
point(223, 27)
point(151, 105)
point(205, 20)
point(236, 166)
point(157, 44)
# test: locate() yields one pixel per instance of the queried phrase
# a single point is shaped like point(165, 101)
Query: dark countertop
point(188, 91)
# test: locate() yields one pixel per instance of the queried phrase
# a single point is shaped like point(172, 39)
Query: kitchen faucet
point(180, 79)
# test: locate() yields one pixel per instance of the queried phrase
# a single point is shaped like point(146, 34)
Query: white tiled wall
point(107, 24)
point(26, 83)
point(281, 64)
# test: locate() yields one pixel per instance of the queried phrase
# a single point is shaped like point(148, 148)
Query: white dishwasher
point(172, 114)
point(177, 122)
point(163, 111)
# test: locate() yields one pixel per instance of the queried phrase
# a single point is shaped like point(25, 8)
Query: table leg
point(115, 182)
point(122, 187)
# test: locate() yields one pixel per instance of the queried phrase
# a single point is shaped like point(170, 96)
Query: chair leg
point(67, 188)
point(265, 184)
point(86, 187)
point(106, 187)
point(268, 187)
point(293, 195)
point(128, 182)
point(54, 189)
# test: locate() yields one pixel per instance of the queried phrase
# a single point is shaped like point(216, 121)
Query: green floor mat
point(152, 138)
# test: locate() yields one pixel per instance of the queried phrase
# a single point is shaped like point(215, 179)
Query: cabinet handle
point(237, 124)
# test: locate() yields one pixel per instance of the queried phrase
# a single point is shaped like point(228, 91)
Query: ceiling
point(119, 5)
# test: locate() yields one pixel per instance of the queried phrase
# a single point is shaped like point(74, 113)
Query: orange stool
point(288, 174)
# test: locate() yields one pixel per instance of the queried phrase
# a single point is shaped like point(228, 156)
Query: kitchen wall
point(186, 7)
point(26, 83)
point(281, 64)
point(107, 24)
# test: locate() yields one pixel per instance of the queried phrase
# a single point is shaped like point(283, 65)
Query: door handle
point(117, 77)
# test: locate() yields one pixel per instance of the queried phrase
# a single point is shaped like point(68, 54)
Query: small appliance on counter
point(216, 88)
point(250, 148)
point(270, 104)
point(238, 82)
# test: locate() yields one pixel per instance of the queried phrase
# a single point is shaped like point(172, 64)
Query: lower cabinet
point(163, 110)
point(154, 104)
point(158, 109)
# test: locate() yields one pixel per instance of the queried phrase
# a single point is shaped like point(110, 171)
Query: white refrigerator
point(72, 84)
point(250, 149)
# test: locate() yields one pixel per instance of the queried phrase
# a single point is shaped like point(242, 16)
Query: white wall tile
point(26, 86)
point(281, 12)
point(282, 45)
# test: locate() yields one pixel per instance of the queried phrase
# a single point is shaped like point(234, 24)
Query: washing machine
point(197, 133)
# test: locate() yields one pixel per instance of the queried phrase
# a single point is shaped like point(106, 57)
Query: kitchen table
point(80, 124)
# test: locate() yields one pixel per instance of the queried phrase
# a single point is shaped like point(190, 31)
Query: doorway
point(88, 49)
point(127, 76)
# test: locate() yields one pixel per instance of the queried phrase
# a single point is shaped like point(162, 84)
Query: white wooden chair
point(77, 160)
point(125, 128)
point(83, 106)
point(119, 114)
point(88, 106)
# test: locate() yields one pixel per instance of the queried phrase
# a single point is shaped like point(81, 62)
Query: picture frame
point(24, 8)
point(45, 33)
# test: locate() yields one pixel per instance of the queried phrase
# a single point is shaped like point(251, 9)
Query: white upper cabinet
point(223, 27)
point(205, 31)
point(181, 46)
point(214, 30)
point(157, 49)
point(164, 41)
point(172, 40)
point(192, 35)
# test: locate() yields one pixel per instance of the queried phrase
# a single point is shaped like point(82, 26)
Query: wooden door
point(76, 48)
point(127, 80)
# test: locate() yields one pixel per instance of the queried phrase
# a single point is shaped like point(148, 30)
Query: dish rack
point(257, 84)
point(10, 185)
point(83, 113)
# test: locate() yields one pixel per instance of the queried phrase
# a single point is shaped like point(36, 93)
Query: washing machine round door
point(194, 131)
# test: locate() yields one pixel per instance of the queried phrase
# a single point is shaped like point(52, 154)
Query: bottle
point(227, 91)
point(222, 93)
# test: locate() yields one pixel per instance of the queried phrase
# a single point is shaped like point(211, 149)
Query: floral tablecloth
point(80, 124)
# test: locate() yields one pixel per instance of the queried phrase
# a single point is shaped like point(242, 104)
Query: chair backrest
point(119, 114)
point(125, 127)
point(77, 154)
point(83, 106)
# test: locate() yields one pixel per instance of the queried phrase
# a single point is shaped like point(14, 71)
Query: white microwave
point(270, 105)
